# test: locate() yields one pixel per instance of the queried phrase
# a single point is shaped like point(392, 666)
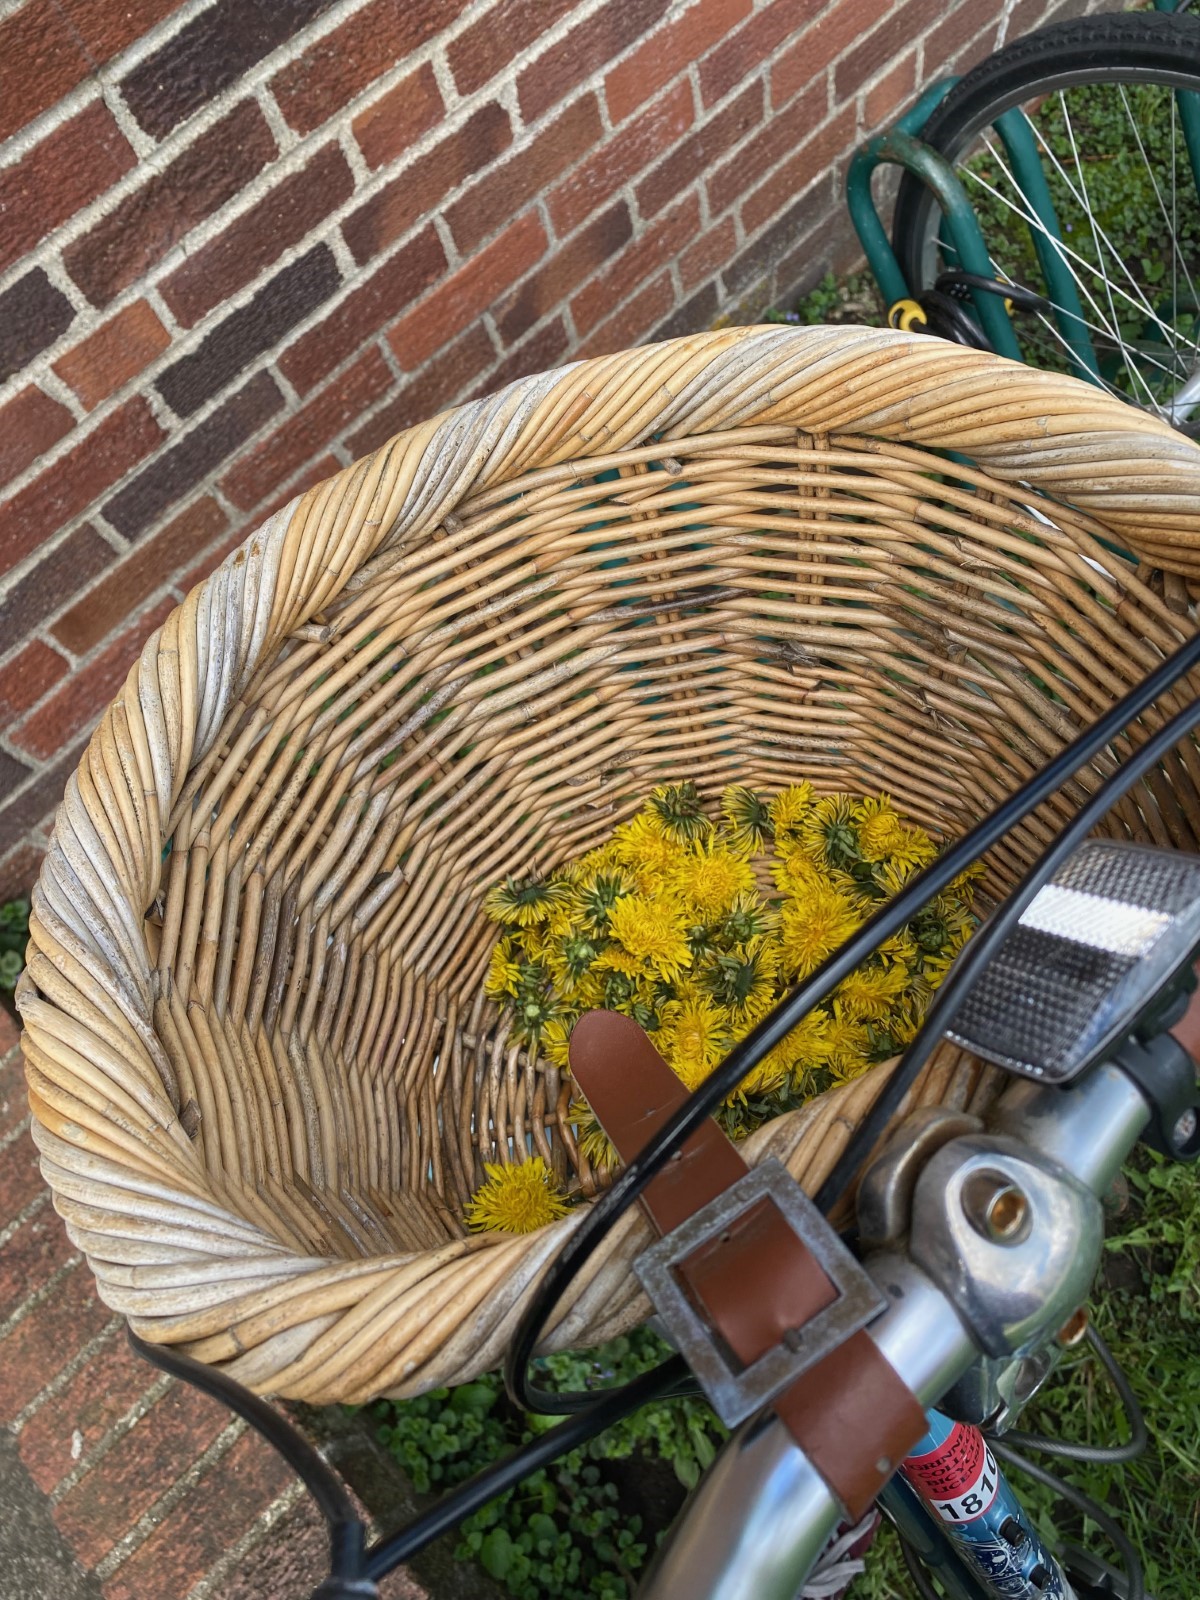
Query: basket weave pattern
point(262, 1073)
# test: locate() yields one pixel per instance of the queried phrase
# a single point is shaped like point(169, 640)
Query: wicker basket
point(262, 1074)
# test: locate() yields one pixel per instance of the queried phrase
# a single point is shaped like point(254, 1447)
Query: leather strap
point(851, 1414)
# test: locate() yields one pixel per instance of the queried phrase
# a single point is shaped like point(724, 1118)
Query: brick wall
point(244, 241)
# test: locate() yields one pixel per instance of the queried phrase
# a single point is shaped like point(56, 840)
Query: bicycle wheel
point(1081, 158)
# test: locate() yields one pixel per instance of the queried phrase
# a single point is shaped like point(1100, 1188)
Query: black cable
point(794, 1007)
point(1133, 1447)
point(916, 1571)
point(494, 1480)
point(1109, 1527)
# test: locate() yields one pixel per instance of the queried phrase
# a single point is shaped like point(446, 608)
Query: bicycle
point(1035, 192)
point(980, 1243)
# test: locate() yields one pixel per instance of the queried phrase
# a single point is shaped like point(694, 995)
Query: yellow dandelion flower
point(880, 835)
point(871, 992)
point(555, 1041)
point(644, 850)
point(807, 1045)
point(847, 1044)
point(594, 1143)
point(516, 1199)
point(653, 932)
point(504, 971)
point(614, 959)
point(812, 926)
point(710, 878)
point(523, 903)
point(764, 1080)
point(795, 872)
point(676, 807)
point(746, 817)
point(698, 1038)
point(789, 808)
point(828, 834)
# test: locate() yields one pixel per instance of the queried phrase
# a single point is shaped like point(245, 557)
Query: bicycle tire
point(1122, 48)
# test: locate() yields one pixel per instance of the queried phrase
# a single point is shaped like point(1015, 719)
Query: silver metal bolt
point(995, 1208)
point(1184, 1130)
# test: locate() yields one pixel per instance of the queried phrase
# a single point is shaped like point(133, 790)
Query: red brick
point(106, 29)
point(701, 150)
point(960, 39)
point(621, 157)
point(469, 293)
point(790, 179)
point(483, 50)
point(40, 62)
point(782, 135)
point(397, 120)
point(14, 1102)
point(376, 301)
point(60, 494)
point(10, 1034)
point(692, 316)
point(126, 1481)
point(149, 568)
point(140, 230)
point(545, 349)
point(205, 1524)
point(633, 321)
point(658, 245)
point(36, 1251)
point(756, 42)
point(341, 65)
point(894, 90)
point(29, 424)
point(796, 220)
point(419, 189)
point(78, 704)
point(889, 40)
point(315, 472)
point(117, 351)
point(27, 678)
point(308, 431)
point(564, 269)
point(60, 572)
point(113, 1380)
point(280, 219)
point(69, 169)
point(19, 868)
point(707, 253)
point(794, 68)
point(43, 1342)
point(549, 78)
point(669, 51)
point(491, 201)
point(443, 382)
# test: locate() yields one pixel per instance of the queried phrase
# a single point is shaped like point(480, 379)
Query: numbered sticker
point(977, 1499)
point(959, 1478)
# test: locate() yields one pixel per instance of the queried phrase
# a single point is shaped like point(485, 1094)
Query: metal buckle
point(737, 1394)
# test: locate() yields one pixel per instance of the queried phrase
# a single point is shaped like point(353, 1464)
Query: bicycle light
point(1092, 954)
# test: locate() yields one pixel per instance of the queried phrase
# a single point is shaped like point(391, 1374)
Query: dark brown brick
point(40, 61)
point(799, 63)
point(561, 273)
point(444, 381)
point(191, 458)
point(308, 432)
point(701, 150)
point(106, 29)
point(76, 707)
point(70, 486)
point(397, 120)
point(211, 52)
point(215, 554)
point(466, 295)
point(12, 772)
point(383, 296)
point(418, 190)
point(38, 1248)
point(147, 223)
point(705, 254)
point(33, 314)
point(29, 424)
point(756, 42)
point(147, 569)
point(126, 1482)
point(34, 805)
point(20, 1183)
point(541, 351)
point(493, 198)
point(960, 38)
point(9, 1036)
point(281, 218)
point(811, 161)
point(889, 40)
point(656, 247)
point(548, 79)
point(781, 135)
point(14, 1102)
point(58, 576)
point(484, 49)
point(19, 868)
point(116, 352)
point(27, 678)
point(69, 169)
point(622, 157)
point(694, 316)
point(113, 1380)
point(289, 297)
point(341, 65)
point(669, 51)
point(205, 1524)
point(758, 258)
